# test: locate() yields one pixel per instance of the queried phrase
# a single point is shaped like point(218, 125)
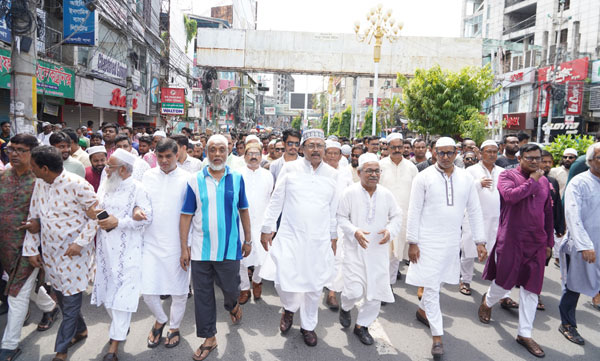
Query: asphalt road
point(398, 335)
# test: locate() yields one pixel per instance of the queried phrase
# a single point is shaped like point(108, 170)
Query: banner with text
point(5, 32)
point(55, 80)
point(79, 24)
point(109, 69)
point(172, 101)
point(4, 69)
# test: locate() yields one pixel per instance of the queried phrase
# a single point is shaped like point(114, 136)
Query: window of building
point(567, 4)
point(514, 94)
point(370, 82)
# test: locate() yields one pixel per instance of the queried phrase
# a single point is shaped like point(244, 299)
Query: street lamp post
point(380, 25)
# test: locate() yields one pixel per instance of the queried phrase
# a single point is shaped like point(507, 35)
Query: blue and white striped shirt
point(215, 206)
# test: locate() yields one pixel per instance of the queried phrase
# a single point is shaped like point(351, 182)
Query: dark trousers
point(568, 303)
point(72, 322)
point(205, 274)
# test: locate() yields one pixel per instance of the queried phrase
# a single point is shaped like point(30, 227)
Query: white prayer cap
point(445, 142)
point(394, 136)
point(217, 138)
point(332, 137)
point(367, 158)
point(332, 144)
point(346, 149)
point(488, 142)
point(250, 138)
point(124, 156)
point(312, 133)
point(570, 151)
point(45, 124)
point(383, 139)
point(96, 149)
point(159, 133)
point(273, 142)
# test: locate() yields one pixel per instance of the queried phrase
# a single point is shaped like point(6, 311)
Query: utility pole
point(550, 90)
point(130, 66)
point(330, 91)
point(23, 113)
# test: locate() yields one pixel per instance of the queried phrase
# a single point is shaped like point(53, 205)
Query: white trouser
point(557, 243)
point(119, 324)
point(430, 303)
point(367, 310)
point(307, 302)
point(467, 265)
point(245, 280)
point(178, 303)
point(18, 306)
point(394, 267)
point(528, 302)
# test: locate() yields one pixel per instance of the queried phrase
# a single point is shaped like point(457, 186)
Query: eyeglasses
point(396, 147)
point(18, 151)
point(355, 155)
point(253, 154)
point(280, 149)
point(314, 146)
point(445, 154)
point(533, 159)
point(568, 157)
point(469, 159)
point(293, 144)
point(373, 171)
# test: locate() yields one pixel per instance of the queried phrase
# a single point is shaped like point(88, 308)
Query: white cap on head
point(346, 149)
point(218, 138)
point(332, 144)
point(332, 137)
point(487, 143)
point(96, 149)
point(124, 156)
point(367, 158)
point(273, 142)
point(445, 142)
point(312, 133)
point(250, 138)
point(45, 124)
point(159, 133)
point(570, 151)
point(394, 136)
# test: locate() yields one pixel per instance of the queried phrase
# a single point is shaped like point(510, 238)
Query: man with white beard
point(119, 246)
point(162, 273)
point(368, 216)
point(260, 181)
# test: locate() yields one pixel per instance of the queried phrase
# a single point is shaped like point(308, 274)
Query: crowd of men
point(145, 216)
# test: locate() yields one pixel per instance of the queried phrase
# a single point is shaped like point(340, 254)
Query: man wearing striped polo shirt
point(215, 202)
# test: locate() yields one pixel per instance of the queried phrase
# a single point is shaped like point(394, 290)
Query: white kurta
point(191, 164)
point(162, 273)
point(489, 199)
point(61, 207)
point(259, 185)
point(301, 256)
point(435, 215)
point(119, 252)
point(366, 271)
point(398, 179)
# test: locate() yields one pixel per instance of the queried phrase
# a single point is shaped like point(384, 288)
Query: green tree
point(334, 125)
point(191, 29)
point(441, 102)
point(297, 122)
point(562, 142)
point(390, 112)
point(324, 123)
point(368, 124)
point(343, 129)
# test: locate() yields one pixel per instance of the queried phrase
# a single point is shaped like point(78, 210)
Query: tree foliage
point(390, 112)
point(191, 29)
point(368, 125)
point(297, 122)
point(343, 129)
point(443, 102)
point(562, 142)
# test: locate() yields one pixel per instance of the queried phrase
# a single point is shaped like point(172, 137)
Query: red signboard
point(515, 121)
point(572, 73)
point(172, 95)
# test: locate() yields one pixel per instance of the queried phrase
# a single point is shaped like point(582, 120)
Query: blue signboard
point(5, 33)
point(78, 23)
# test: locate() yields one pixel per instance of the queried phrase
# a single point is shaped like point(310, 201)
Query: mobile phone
point(103, 215)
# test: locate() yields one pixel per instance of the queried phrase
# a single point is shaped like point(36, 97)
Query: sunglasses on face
point(469, 159)
point(293, 144)
point(445, 154)
point(279, 149)
point(568, 157)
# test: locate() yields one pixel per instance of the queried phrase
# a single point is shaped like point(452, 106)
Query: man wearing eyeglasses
point(561, 173)
point(291, 141)
point(524, 242)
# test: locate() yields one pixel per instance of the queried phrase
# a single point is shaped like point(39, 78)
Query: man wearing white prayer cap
point(93, 173)
point(397, 175)
point(561, 173)
point(368, 217)
point(300, 257)
point(439, 197)
point(44, 136)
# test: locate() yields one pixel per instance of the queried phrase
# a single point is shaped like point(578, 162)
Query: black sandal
point(170, 336)
point(78, 338)
point(203, 348)
point(47, 321)
point(10, 355)
point(155, 332)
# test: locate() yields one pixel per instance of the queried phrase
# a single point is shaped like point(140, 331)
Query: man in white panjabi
point(485, 176)
point(300, 257)
point(162, 273)
point(260, 182)
point(333, 155)
point(397, 175)
point(439, 197)
point(368, 216)
point(119, 246)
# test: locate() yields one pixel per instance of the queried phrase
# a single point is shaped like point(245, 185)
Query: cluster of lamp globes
point(378, 18)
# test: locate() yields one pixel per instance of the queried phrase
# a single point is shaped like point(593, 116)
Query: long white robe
point(259, 184)
point(301, 256)
point(162, 272)
point(119, 252)
point(61, 207)
point(398, 179)
point(366, 271)
point(435, 215)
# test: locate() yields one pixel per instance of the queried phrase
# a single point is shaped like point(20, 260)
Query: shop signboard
point(172, 101)
point(573, 74)
point(55, 80)
point(515, 121)
point(4, 69)
point(5, 33)
point(109, 69)
point(110, 96)
point(79, 24)
point(595, 71)
point(269, 110)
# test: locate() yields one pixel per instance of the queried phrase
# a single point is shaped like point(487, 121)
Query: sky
point(420, 18)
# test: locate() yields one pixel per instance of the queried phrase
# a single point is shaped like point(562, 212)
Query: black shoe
point(310, 337)
point(363, 335)
point(345, 318)
point(164, 297)
point(571, 334)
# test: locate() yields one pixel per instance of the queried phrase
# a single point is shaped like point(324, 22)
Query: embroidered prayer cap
point(124, 156)
point(394, 136)
point(96, 149)
point(487, 143)
point(346, 149)
point(332, 144)
point(249, 146)
point(250, 138)
point(367, 158)
point(159, 133)
point(570, 151)
point(333, 137)
point(445, 142)
point(312, 133)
